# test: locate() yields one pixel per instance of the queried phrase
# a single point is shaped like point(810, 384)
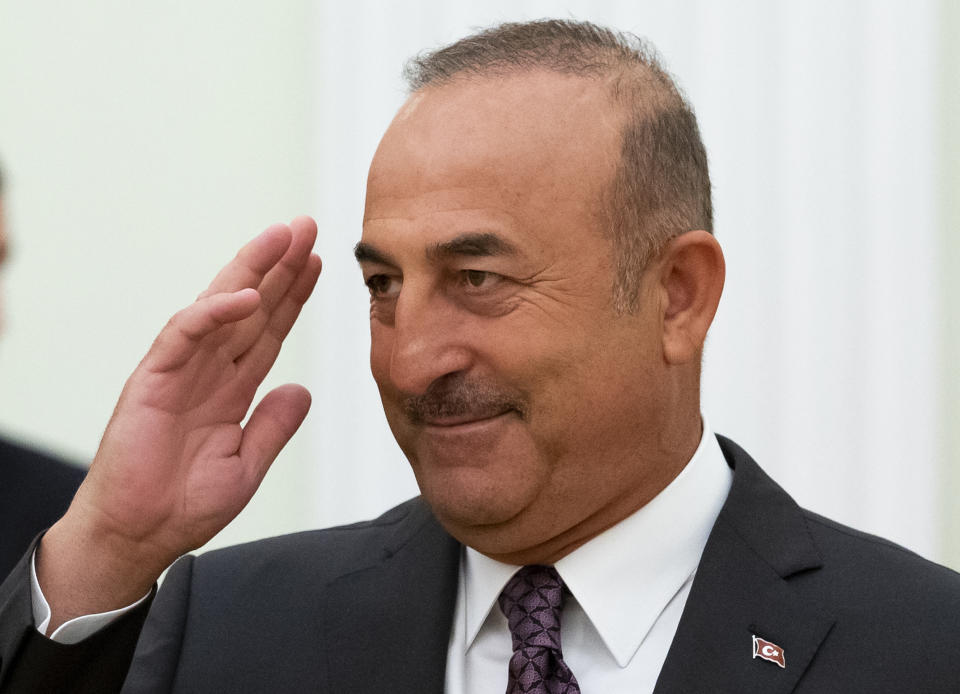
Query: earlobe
point(692, 272)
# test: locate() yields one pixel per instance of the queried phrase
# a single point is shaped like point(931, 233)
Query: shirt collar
point(623, 593)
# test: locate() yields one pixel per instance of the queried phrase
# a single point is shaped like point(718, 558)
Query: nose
point(429, 341)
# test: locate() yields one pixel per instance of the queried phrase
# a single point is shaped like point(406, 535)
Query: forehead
point(529, 151)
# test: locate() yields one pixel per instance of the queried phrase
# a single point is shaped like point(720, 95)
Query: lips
point(465, 419)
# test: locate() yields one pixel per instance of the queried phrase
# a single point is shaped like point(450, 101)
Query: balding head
point(661, 187)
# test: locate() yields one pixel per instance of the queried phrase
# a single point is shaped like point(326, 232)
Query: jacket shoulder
point(848, 569)
point(222, 620)
point(322, 554)
point(869, 570)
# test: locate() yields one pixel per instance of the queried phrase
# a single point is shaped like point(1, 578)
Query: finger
point(253, 261)
point(273, 422)
point(286, 314)
point(184, 332)
point(282, 276)
point(262, 264)
point(275, 285)
point(257, 360)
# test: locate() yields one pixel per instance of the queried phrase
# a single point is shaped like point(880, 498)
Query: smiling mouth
point(466, 420)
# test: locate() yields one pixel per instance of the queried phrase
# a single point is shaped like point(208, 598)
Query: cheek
point(381, 349)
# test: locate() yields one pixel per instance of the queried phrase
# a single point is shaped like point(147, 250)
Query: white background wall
point(144, 145)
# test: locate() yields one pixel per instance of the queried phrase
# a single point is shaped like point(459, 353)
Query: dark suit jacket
point(367, 608)
point(35, 490)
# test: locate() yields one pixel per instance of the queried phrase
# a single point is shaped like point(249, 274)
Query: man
point(35, 488)
point(542, 275)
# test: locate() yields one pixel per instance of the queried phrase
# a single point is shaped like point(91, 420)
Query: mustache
point(455, 396)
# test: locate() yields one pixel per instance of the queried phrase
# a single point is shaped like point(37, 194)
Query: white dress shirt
point(73, 630)
point(629, 586)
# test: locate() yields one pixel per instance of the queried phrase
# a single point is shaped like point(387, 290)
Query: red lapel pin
point(768, 651)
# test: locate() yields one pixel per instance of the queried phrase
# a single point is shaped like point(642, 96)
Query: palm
point(175, 464)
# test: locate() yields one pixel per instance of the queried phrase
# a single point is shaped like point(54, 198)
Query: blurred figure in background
point(35, 488)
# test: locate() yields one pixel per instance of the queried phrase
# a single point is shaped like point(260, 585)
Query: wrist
point(83, 569)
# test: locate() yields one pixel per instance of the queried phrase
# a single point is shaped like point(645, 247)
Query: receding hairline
point(560, 45)
point(629, 64)
point(628, 68)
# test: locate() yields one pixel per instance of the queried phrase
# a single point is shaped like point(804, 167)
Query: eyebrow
point(475, 244)
point(365, 253)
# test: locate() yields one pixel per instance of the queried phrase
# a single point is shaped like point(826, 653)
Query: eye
point(383, 286)
point(479, 279)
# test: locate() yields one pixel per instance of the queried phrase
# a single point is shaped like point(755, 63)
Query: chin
point(471, 497)
point(497, 525)
point(478, 480)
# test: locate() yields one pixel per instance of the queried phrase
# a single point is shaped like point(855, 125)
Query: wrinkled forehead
point(527, 137)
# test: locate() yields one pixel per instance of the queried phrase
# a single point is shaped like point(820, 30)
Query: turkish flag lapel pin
point(768, 651)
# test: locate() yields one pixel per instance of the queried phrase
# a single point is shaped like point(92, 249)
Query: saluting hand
point(175, 464)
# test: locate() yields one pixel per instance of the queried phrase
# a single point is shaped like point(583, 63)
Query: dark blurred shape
point(35, 490)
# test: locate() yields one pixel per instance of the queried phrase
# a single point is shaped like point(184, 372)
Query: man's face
point(527, 407)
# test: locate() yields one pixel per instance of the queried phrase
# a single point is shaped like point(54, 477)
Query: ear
point(691, 276)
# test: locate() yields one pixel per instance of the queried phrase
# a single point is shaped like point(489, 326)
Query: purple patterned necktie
point(531, 602)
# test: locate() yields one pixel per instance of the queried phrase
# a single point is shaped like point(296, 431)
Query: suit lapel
point(742, 589)
point(388, 624)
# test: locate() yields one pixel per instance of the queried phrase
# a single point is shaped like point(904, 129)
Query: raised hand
point(176, 464)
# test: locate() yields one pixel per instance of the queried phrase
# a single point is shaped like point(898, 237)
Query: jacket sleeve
point(30, 662)
point(157, 656)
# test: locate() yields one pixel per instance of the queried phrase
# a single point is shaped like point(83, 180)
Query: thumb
point(273, 422)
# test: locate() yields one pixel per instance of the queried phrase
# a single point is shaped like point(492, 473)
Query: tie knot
point(531, 601)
